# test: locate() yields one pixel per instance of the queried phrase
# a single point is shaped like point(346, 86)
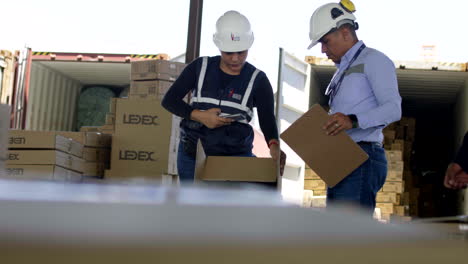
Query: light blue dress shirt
point(369, 90)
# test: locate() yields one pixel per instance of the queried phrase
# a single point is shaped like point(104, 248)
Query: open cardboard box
point(238, 169)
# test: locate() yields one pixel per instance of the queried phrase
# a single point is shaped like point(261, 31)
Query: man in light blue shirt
point(363, 98)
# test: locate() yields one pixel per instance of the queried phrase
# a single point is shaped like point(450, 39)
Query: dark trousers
point(361, 186)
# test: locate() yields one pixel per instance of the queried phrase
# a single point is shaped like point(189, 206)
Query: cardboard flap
point(331, 157)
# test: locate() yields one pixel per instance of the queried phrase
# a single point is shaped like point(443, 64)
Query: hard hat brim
point(312, 44)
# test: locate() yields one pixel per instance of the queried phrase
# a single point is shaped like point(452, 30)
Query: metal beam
point(194, 30)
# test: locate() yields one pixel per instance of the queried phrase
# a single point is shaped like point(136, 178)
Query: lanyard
point(332, 89)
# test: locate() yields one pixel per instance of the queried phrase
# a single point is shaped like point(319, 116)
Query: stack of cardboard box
point(152, 79)
point(315, 189)
point(389, 198)
point(144, 143)
point(44, 155)
point(398, 198)
point(96, 151)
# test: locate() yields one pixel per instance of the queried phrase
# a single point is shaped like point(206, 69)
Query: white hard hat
point(328, 17)
point(233, 32)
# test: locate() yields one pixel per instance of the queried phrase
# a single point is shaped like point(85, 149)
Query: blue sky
point(398, 28)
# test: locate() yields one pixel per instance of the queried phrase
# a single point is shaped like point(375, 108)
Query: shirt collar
point(350, 54)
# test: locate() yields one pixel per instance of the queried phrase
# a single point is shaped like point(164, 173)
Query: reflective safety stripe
point(197, 98)
point(249, 88)
point(216, 102)
point(201, 79)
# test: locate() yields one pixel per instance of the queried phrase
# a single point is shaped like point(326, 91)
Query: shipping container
point(48, 86)
point(7, 72)
point(435, 94)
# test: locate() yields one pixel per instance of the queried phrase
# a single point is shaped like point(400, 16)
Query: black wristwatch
point(354, 120)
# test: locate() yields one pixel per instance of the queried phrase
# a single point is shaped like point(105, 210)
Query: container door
point(21, 89)
point(292, 101)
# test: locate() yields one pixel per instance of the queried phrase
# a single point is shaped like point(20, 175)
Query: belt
point(368, 143)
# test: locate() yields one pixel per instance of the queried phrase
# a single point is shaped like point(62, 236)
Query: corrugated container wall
point(52, 100)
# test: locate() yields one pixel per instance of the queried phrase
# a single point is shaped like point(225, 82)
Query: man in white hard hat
point(363, 99)
point(224, 90)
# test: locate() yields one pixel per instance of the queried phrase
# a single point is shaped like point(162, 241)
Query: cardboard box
point(154, 89)
point(76, 149)
point(399, 144)
point(394, 155)
point(42, 172)
point(309, 174)
point(110, 119)
point(45, 157)
point(96, 154)
point(396, 166)
point(388, 197)
point(397, 187)
point(112, 105)
point(390, 126)
point(142, 138)
point(386, 217)
point(39, 157)
point(389, 135)
point(400, 132)
point(89, 129)
point(107, 129)
point(133, 176)
point(320, 192)
point(76, 163)
point(93, 168)
point(399, 210)
point(322, 152)
point(394, 175)
point(238, 169)
point(318, 202)
point(93, 139)
point(156, 69)
point(28, 139)
point(144, 158)
point(314, 185)
point(385, 208)
point(89, 139)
